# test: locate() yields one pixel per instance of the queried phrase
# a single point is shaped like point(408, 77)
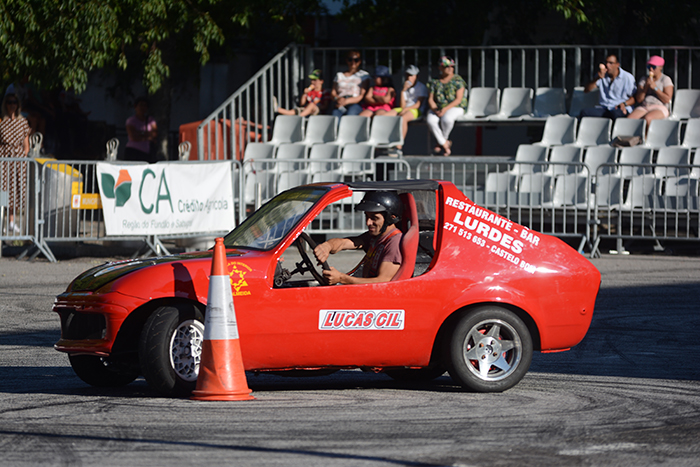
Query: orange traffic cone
point(221, 375)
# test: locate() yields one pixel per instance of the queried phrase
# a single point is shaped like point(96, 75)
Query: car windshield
point(267, 226)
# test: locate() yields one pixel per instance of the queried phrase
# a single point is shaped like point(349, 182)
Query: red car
point(475, 295)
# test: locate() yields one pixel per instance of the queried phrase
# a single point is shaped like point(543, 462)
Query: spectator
point(379, 99)
point(142, 132)
point(617, 89)
point(14, 143)
point(654, 93)
point(447, 101)
point(314, 101)
point(350, 87)
point(412, 102)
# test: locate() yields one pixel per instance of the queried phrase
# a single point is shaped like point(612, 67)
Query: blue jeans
point(602, 112)
point(352, 109)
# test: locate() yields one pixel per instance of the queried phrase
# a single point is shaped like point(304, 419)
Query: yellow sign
point(86, 201)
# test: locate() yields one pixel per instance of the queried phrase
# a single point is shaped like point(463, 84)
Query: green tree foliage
point(56, 43)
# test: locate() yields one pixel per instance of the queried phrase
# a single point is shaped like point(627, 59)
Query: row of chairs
point(523, 104)
point(593, 131)
point(557, 160)
point(380, 131)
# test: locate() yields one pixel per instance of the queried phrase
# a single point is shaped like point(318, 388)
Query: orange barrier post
point(221, 374)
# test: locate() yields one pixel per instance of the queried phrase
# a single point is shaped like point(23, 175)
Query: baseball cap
point(382, 71)
point(412, 70)
point(316, 74)
point(655, 60)
point(446, 60)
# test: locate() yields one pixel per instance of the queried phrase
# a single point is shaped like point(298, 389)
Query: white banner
point(166, 198)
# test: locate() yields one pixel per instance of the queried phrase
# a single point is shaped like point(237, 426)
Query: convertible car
point(475, 295)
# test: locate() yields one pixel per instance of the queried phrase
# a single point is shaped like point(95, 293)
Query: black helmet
point(382, 201)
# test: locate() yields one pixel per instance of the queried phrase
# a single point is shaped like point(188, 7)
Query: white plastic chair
point(499, 188)
point(680, 194)
point(529, 153)
point(548, 102)
point(607, 192)
point(321, 129)
point(642, 194)
point(663, 133)
point(691, 139)
point(515, 104)
point(385, 132)
point(534, 189)
point(183, 151)
point(558, 130)
point(356, 152)
point(569, 191)
point(287, 129)
point(629, 127)
point(352, 129)
point(583, 100)
point(672, 155)
point(593, 131)
point(112, 149)
point(258, 167)
point(35, 141)
point(595, 156)
point(324, 171)
point(686, 104)
point(482, 103)
point(634, 155)
point(563, 154)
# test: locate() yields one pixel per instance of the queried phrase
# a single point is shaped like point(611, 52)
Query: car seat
point(410, 238)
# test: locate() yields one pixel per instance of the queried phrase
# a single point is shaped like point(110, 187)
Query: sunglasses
point(611, 62)
point(354, 59)
point(650, 67)
point(11, 102)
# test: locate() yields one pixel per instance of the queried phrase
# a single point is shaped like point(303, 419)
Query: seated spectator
point(617, 89)
point(654, 93)
point(447, 101)
point(379, 99)
point(350, 87)
point(412, 102)
point(314, 101)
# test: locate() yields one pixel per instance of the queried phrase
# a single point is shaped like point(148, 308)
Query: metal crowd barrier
point(20, 217)
point(646, 202)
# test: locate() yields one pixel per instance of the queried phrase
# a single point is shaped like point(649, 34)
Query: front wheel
point(101, 371)
point(170, 349)
point(490, 350)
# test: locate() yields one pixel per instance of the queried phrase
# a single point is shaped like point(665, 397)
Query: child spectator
point(412, 102)
point(314, 101)
point(379, 99)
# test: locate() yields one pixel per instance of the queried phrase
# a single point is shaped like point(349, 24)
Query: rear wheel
point(490, 350)
point(101, 371)
point(171, 347)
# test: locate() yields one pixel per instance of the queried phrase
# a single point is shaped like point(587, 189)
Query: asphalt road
point(629, 394)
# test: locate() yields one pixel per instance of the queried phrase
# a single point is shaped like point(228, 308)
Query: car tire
point(100, 371)
point(170, 349)
point(490, 350)
point(415, 375)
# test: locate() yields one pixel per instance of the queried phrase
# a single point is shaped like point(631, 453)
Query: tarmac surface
point(629, 394)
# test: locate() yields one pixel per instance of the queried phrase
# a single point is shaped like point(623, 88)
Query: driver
point(380, 242)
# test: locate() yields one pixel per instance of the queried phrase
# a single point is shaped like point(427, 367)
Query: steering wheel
point(311, 267)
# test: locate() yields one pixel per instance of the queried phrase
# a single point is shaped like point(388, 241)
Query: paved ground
point(629, 394)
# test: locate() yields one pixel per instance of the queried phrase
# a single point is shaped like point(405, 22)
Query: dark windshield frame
point(270, 224)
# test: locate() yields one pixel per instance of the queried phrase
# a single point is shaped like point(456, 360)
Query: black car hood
point(99, 276)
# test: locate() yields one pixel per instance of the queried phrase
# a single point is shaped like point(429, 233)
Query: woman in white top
point(350, 87)
point(654, 93)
